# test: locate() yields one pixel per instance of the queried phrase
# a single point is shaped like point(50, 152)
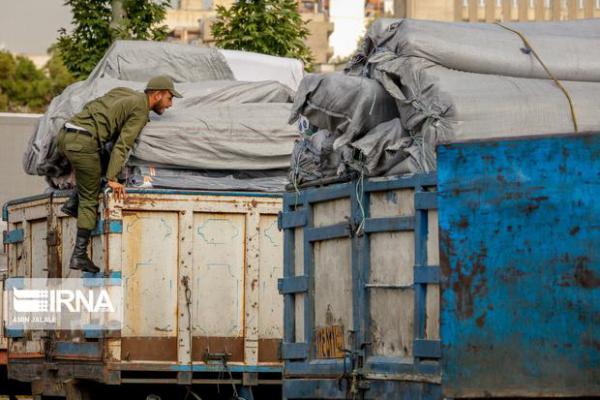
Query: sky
point(30, 26)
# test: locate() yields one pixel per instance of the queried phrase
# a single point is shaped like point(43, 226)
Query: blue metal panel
point(93, 331)
point(294, 351)
point(14, 332)
point(428, 274)
point(90, 350)
point(520, 248)
point(112, 226)
point(292, 219)
point(14, 236)
point(299, 360)
point(391, 224)
point(327, 232)
point(427, 348)
point(15, 282)
point(293, 284)
point(313, 389)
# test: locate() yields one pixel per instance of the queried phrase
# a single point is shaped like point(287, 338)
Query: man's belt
point(72, 130)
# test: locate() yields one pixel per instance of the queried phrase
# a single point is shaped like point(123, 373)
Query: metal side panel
point(150, 241)
point(361, 289)
point(520, 252)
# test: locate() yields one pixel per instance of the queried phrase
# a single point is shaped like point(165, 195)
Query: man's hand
point(118, 190)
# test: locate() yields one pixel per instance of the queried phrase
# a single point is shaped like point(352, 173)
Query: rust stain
point(574, 231)
point(581, 275)
point(214, 344)
point(463, 223)
point(469, 285)
point(254, 284)
point(585, 277)
point(480, 321)
point(268, 350)
point(149, 348)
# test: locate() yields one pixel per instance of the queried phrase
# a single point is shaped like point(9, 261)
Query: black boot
point(71, 205)
point(80, 259)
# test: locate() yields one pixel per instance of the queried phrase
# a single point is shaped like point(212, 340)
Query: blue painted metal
point(294, 351)
point(293, 284)
point(93, 331)
point(14, 282)
point(391, 224)
point(520, 249)
point(292, 219)
point(308, 377)
point(327, 232)
point(218, 367)
point(14, 332)
point(72, 350)
point(14, 236)
point(112, 226)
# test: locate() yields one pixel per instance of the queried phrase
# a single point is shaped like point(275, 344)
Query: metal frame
point(299, 356)
point(110, 227)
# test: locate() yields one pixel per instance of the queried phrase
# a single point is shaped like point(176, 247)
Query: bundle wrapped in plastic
point(347, 106)
point(444, 105)
point(215, 112)
point(571, 50)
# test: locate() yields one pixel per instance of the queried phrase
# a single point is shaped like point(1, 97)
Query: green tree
point(26, 88)
point(93, 32)
point(55, 69)
point(263, 26)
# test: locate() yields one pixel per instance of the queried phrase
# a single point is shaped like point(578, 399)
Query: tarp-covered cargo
point(220, 123)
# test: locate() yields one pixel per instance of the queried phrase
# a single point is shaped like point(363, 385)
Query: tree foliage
point(263, 26)
point(26, 88)
point(93, 34)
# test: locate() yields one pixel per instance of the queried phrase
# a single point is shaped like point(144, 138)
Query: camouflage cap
point(163, 82)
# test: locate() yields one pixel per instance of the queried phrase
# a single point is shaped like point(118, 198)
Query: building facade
point(497, 10)
point(190, 22)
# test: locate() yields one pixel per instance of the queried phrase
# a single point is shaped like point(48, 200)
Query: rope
point(558, 83)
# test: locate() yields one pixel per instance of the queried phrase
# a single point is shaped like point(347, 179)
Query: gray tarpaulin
point(150, 175)
point(252, 136)
point(347, 106)
point(444, 104)
point(139, 61)
point(571, 50)
point(237, 124)
point(458, 81)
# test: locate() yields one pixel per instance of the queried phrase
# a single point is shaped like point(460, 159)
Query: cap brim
point(175, 93)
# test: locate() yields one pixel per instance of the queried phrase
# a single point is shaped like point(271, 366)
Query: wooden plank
point(392, 321)
point(329, 342)
point(150, 274)
point(252, 285)
point(184, 284)
point(219, 258)
point(392, 258)
point(68, 234)
point(270, 310)
point(394, 203)
point(39, 249)
point(331, 212)
point(333, 284)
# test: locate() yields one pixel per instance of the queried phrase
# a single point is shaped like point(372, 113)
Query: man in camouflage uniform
point(117, 117)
